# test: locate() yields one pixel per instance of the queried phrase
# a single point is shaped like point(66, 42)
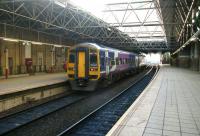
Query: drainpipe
point(52, 59)
point(6, 61)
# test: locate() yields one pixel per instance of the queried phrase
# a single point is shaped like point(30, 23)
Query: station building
point(23, 54)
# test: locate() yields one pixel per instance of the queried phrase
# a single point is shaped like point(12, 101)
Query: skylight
point(138, 18)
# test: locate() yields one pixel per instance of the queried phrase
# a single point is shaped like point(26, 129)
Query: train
point(90, 65)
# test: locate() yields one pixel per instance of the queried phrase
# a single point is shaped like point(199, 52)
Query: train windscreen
point(71, 58)
point(93, 60)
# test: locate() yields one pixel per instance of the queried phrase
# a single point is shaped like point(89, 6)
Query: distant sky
point(153, 58)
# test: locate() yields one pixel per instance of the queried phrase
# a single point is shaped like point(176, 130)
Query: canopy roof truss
point(139, 19)
point(66, 20)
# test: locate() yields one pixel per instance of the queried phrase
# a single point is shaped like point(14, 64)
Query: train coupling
point(82, 82)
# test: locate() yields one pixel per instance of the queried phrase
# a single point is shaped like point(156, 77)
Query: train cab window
point(93, 60)
point(71, 58)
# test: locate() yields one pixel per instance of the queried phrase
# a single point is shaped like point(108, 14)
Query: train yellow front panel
point(81, 64)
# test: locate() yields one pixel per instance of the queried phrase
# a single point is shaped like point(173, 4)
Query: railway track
point(55, 116)
point(18, 101)
point(20, 119)
point(101, 120)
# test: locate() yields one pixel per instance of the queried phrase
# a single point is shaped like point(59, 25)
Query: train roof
point(101, 47)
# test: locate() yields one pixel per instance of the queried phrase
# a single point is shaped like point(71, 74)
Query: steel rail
point(103, 105)
point(42, 115)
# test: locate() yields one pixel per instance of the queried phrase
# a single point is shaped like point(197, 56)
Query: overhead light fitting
point(193, 39)
point(58, 46)
point(193, 21)
point(24, 42)
point(108, 29)
point(37, 43)
point(10, 40)
point(62, 4)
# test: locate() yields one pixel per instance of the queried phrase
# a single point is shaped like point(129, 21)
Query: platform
point(169, 106)
point(13, 85)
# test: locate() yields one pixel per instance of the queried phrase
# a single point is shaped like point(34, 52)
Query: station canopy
point(133, 25)
point(137, 18)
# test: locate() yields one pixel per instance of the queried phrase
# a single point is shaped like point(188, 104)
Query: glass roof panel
point(138, 18)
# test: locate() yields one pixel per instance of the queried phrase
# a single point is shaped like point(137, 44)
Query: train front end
point(83, 67)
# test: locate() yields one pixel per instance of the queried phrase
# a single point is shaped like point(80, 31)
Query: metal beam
point(138, 25)
point(70, 21)
point(186, 20)
point(153, 36)
point(121, 3)
point(130, 9)
point(194, 38)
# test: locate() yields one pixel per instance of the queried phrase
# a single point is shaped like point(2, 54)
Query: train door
point(107, 63)
point(102, 61)
point(81, 64)
point(136, 61)
point(1, 70)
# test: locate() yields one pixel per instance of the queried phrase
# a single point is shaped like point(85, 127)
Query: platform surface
point(12, 85)
point(169, 106)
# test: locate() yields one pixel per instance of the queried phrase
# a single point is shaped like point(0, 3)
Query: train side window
point(71, 58)
point(117, 61)
point(112, 62)
point(120, 61)
point(102, 61)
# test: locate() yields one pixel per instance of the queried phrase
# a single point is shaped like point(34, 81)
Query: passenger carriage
point(89, 63)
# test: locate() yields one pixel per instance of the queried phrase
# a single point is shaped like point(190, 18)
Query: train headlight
point(93, 69)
